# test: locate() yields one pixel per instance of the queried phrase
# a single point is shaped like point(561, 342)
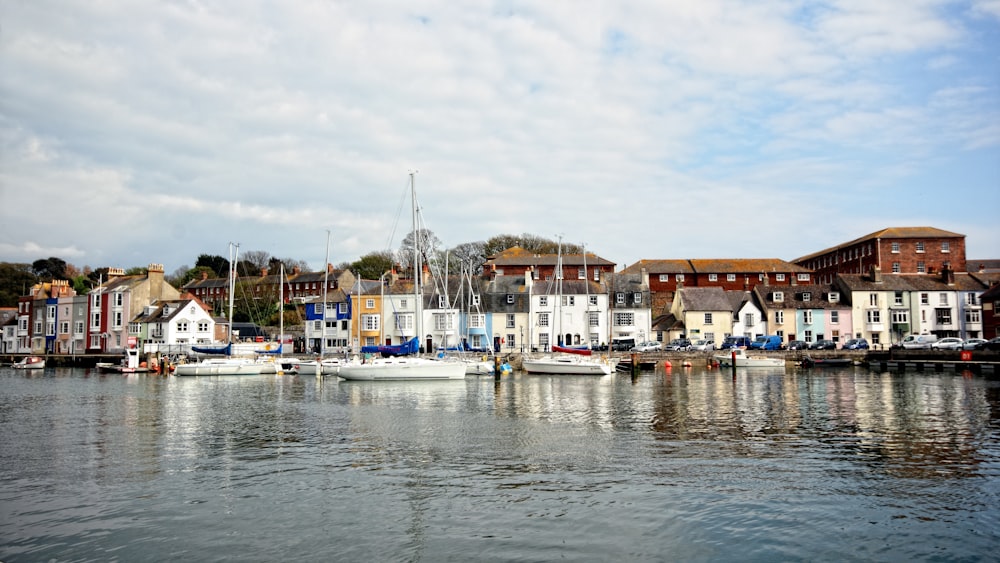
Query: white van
point(918, 341)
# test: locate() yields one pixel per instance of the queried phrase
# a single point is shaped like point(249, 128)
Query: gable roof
point(704, 299)
point(654, 267)
point(744, 266)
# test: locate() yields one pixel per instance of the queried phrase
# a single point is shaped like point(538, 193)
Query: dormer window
point(834, 297)
point(806, 296)
point(637, 297)
point(510, 299)
point(778, 296)
point(620, 298)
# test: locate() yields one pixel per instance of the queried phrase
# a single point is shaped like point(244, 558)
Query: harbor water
point(839, 464)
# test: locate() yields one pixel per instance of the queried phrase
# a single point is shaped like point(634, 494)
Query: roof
point(744, 266)
point(517, 256)
point(793, 297)
point(982, 266)
point(654, 267)
point(704, 299)
point(909, 282)
point(888, 233)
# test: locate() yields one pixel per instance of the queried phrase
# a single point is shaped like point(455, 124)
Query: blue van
point(766, 343)
point(735, 342)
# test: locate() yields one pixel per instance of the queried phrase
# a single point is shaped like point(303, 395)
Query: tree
point(15, 281)
point(218, 264)
point(427, 245)
point(252, 262)
point(371, 266)
point(469, 254)
point(48, 269)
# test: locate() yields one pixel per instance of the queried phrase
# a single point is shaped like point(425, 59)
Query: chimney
point(296, 271)
point(204, 276)
point(329, 268)
point(263, 272)
point(528, 280)
point(948, 275)
point(876, 274)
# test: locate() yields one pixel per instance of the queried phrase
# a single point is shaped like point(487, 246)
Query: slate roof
point(704, 299)
point(793, 297)
point(888, 233)
point(909, 282)
point(744, 266)
point(654, 267)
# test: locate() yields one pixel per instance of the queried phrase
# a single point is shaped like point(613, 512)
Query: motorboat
point(569, 364)
point(29, 362)
point(742, 360)
point(220, 366)
point(400, 368)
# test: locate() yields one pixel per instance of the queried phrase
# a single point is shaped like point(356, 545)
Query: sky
point(153, 132)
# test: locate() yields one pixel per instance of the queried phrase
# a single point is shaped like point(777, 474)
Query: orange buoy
point(667, 364)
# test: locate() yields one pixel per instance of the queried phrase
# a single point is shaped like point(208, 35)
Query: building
point(895, 250)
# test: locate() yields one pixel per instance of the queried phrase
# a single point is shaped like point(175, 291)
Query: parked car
point(856, 344)
point(798, 345)
point(703, 345)
point(766, 343)
point(992, 344)
point(918, 341)
point(678, 344)
point(974, 343)
point(823, 345)
point(948, 343)
point(647, 347)
point(622, 344)
point(735, 342)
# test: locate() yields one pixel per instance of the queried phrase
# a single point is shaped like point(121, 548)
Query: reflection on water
point(687, 464)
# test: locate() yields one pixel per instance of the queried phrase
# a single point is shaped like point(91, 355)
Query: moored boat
point(742, 360)
point(29, 362)
point(568, 364)
point(808, 362)
point(401, 368)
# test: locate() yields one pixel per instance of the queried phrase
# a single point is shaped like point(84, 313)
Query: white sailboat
point(322, 365)
point(565, 360)
point(228, 365)
point(405, 367)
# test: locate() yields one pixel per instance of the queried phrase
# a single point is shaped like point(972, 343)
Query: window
point(543, 340)
point(873, 299)
point(802, 277)
point(581, 273)
point(895, 267)
point(900, 317)
point(664, 277)
point(943, 298)
point(779, 277)
point(182, 326)
point(807, 317)
point(116, 319)
point(594, 318)
point(680, 277)
point(442, 302)
point(78, 327)
point(370, 322)
point(713, 277)
point(637, 297)
point(620, 298)
point(943, 316)
point(920, 246)
point(442, 321)
point(898, 298)
point(806, 296)
point(972, 299)
point(925, 299)
point(945, 247)
point(475, 300)
point(778, 296)
point(834, 317)
point(202, 326)
point(808, 336)
point(510, 321)
point(64, 327)
point(779, 317)
point(568, 300)
point(730, 277)
point(748, 320)
point(973, 316)
point(708, 318)
point(895, 248)
point(342, 308)
point(543, 319)
point(624, 319)
point(543, 300)
point(597, 275)
point(404, 321)
point(96, 300)
point(834, 297)
point(921, 268)
point(403, 304)
point(118, 299)
point(873, 316)
point(318, 326)
point(593, 300)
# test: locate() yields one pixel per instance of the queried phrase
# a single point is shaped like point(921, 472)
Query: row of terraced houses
point(881, 287)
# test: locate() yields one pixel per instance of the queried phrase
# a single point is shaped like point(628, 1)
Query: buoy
point(667, 364)
point(686, 363)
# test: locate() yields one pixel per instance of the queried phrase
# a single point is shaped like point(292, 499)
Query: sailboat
point(322, 365)
point(410, 367)
point(223, 365)
point(567, 360)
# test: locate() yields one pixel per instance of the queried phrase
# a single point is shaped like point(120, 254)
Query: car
point(948, 343)
point(678, 344)
point(974, 343)
point(855, 344)
point(798, 345)
point(918, 341)
point(823, 345)
point(647, 347)
point(703, 345)
point(735, 342)
point(622, 344)
point(766, 343)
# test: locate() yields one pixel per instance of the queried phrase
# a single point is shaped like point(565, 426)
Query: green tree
point(48, 269)
point(15, 281)
point(371, 266)
point(218, 264)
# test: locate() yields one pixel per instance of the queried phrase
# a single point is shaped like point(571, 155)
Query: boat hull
point(568, 365)
point(743, 361)
point(31, 362)
point(218, 367)
point(401, 369)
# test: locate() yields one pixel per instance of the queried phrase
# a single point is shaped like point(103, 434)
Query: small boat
point(129, 364)
point(808, 362)
point(220, 366)
point(30, 362)
point(401, 368)
point(569, 364)
point(741, 360)
point(325, 366)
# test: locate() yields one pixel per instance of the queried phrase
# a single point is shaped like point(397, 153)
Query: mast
point(418, 305)
point(281, 308)
point(326, 284)
point(559, 289)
